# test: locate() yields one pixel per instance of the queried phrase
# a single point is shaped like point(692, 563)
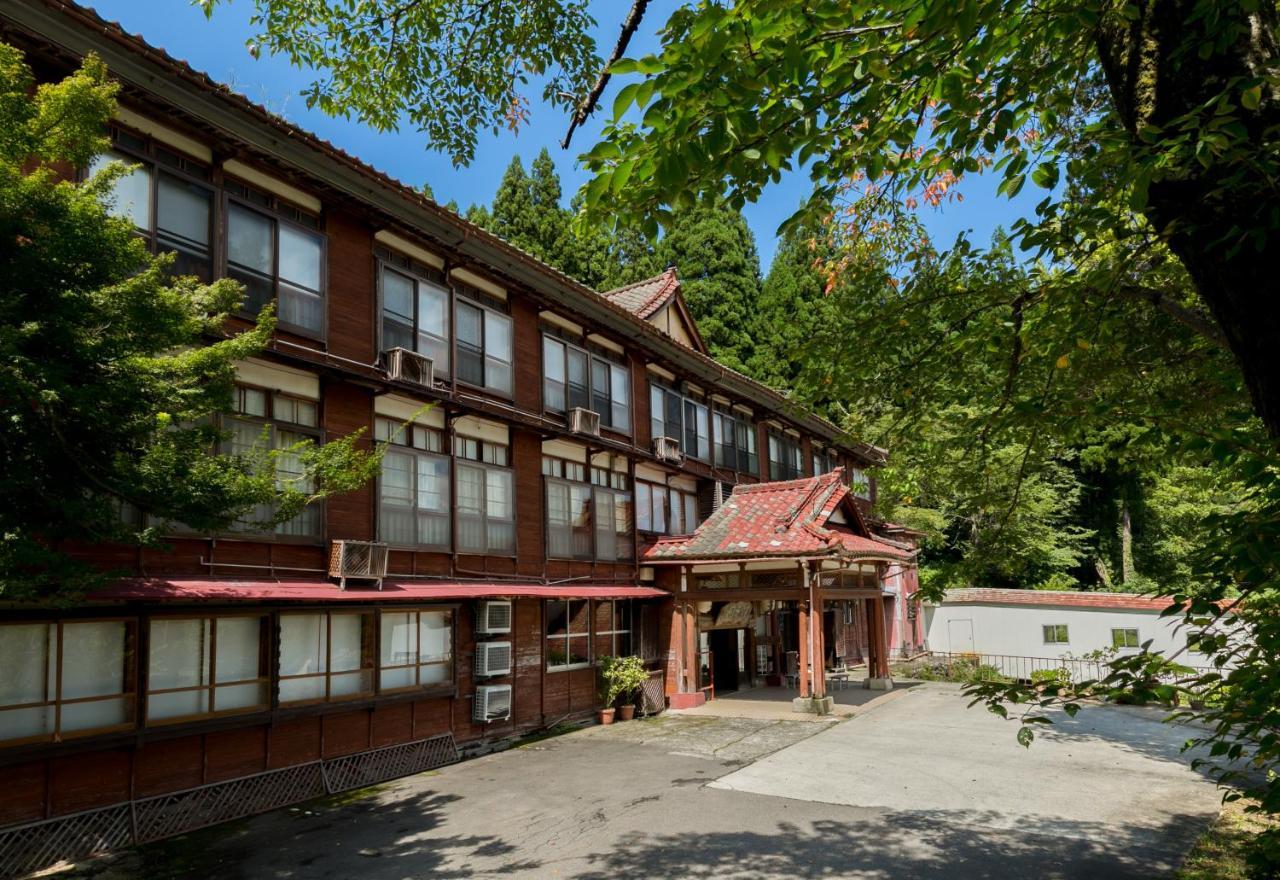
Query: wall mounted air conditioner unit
point(667, 449)
point(492, 703)
point(403, 365)
point(493, 658)
point(493, 617)
point(584, 421)
point(359, 561)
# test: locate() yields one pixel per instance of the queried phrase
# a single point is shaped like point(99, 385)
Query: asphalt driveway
point(917, 787)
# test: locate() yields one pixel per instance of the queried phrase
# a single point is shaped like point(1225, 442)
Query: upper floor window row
point(273, 248)
point(682, 419)
point(574, 377)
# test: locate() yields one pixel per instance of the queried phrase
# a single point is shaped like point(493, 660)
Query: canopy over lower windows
point(225, 590)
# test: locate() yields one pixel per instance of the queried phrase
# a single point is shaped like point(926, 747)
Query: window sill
point(551, 670)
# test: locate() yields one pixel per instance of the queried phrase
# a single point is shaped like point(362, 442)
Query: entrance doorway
point(727, 651)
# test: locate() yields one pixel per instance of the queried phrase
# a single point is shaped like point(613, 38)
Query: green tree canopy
point(113, 368)
point(715, 253)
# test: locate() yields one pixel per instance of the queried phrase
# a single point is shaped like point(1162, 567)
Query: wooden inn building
point(588, 482)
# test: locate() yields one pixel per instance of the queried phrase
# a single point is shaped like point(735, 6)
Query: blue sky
point(217, 47)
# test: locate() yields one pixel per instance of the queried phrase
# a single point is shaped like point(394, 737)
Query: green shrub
point(1052, 678)
point(621, 679)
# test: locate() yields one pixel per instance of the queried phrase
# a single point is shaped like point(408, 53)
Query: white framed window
point(66, 679)
point(1055, 634)
point(415, 314)
point(413, 487)
point(325, 656)
point(415, 649)
point(568, 634)
point(484, 346)
point(203, 666)
point(1125, 638)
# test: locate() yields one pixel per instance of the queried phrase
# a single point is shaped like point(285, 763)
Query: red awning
point(224, 590)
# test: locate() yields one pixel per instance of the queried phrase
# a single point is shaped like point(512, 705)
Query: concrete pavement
point(751, 799)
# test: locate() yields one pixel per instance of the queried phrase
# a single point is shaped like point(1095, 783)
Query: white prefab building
point(1052, 624)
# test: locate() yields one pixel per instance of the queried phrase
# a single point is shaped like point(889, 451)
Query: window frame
point(418, 275)
point(1059, 629)
point(567, 636)
point(315, 432)
point(686, 498)
point(658, 415)
point(147, 152)
point(410, 430)
point(613, 632)
point(264, 665)
point(130, 660)
point(748, 455)
point(369, 637)
point(277, 211)
point(785, 444)
point(461, 461)
point(1125, 630)
point(462, 298)
point(592, 359)
point(451, 681)
point(599, 483)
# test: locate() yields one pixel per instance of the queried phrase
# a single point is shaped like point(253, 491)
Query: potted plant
point(621, 679)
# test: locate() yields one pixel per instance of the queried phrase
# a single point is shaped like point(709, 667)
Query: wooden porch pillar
point(873, 637)
point(816, 627)
point(881, 640)
point(802, 620)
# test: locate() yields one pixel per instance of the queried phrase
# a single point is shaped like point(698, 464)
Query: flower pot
point(606, 716)
point(626, 712)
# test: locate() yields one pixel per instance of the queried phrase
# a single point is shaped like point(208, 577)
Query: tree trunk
point(1126, 543)
point(1217, 220)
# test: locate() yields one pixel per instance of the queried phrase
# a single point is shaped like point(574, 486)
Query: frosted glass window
point(323, 657)
point(197, 666)
point(87, 686)
point(250, 240)
point(415, 649)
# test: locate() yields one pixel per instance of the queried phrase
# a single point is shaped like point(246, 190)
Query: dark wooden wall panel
point(392, 724)
point(527, 457)
point(527, 647)
point(232, 753)
point(432, 717)
point(348, 408)
point(351, 299)
point(87, 780)
point(527, 349)
point(293, 742)
point(345, 733)
point(22, 796)
point(168, 765)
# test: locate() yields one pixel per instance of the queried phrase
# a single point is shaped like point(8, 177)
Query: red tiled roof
point(226, 590)
point(643, 298)
point(785, 518)
point(1059, 598)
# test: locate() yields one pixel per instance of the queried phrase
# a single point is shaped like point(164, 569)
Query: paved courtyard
point(915, 786)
